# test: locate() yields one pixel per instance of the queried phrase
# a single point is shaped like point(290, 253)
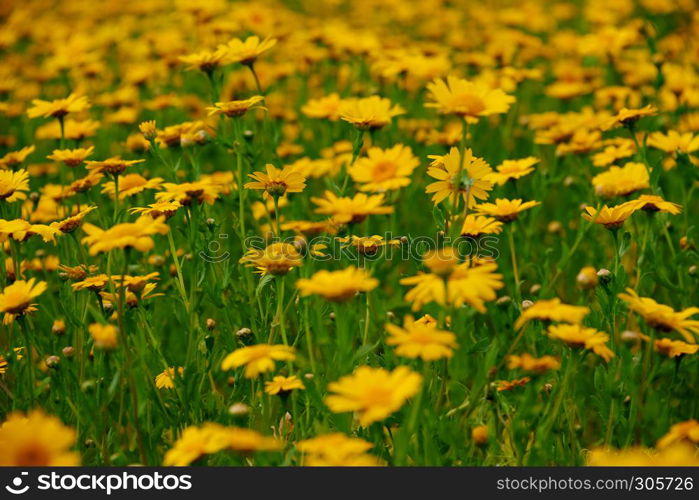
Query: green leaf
point(264, 281)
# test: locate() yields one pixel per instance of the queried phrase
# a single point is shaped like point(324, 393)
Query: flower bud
point(587, 278)
point(479, 435)
point(52, 361)
point(239, 409)
point(243, 332)
point(58, 327)
point(604, 275)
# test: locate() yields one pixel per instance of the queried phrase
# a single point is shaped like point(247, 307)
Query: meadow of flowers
point(361, 232)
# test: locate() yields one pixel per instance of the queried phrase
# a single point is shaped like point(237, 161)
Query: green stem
point(180, 278)
point(276, 215)
point(116, 198)
point(515, 270)
point(641, 151)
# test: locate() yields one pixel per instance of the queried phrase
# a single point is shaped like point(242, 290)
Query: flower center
point(469, 105)
point(384, 170)
point(32, 455)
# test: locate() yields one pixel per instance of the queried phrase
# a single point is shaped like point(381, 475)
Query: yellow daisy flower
point(257, 358)
point(373, 393)
point(466, 98)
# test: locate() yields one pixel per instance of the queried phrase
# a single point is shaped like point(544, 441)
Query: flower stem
point(276, 216)
point(515, 270)
point(180, 279)
point(116, 198)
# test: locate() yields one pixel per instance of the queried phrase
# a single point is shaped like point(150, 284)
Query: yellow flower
point(478, 225)
point(687, 431)
point(158, 209)
point(479, 435)
point(513, 169)
point(466, 98)
point(131, 300)
point(236, 108)
point(367, 245)
point(59, 107)
point(195, 442)
point(678, 455)
point(529, 363)
point(104, 336)
point(76, 273)
point(384, 169)
point(14, 158)
point(73, 130)
point(552, 310)
point(466, 284)
point(16, 299)
point(673, 142)
point(337, 286)
point(166, 379)
point(85, 183)
point(202, 191)
point(628, 117)
point(21, 230)
point(421, 340)
point(613, 153)
point(276, 259)
point(609, 217)
point(73, 222)
point(92, 283)
point(206, 60)
point(148, 129)
point(111, 166)
point(346, 210)
point(505, 210)
point(467, 177)
point(36, 440)
point(441, 261)
point(283, 385)
point(508, 385)
point(246, 51)
point(577, 337)
point(582, 141)
point(277, 182)
point(71, 157)
point(662, 317)
point(126, 235)
point(369, 113)
point(257, 358)
point(323, 107)
point(675, 348)
point(310, 228)
point(13, 185)
point(135, 283)
point(652, 203)
point(621, 181)
point(130, 185)
point(183, 134)
point(373, 393)
point(336, 450)
point(587, 277)
point(3, 362)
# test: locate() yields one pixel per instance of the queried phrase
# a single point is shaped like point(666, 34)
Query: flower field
point(349, 233)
